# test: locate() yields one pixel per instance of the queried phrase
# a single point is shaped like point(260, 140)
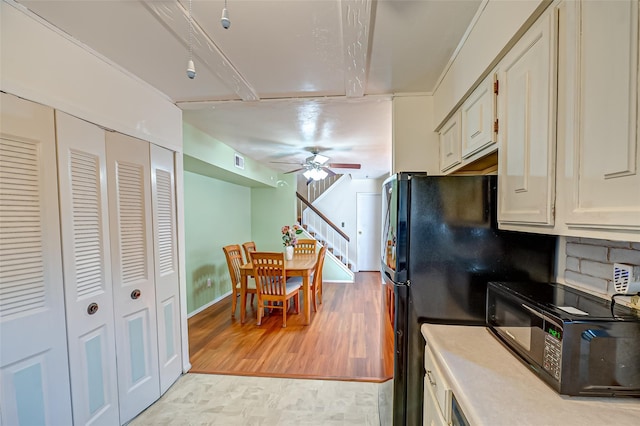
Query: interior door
point(368, 223)
point(34, 369)
point(129, 184)
point(87, 270)
point(163, 191)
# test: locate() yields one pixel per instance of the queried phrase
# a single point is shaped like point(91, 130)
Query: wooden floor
point(349, 338)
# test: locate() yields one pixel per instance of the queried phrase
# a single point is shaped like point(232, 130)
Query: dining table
point(302, 265)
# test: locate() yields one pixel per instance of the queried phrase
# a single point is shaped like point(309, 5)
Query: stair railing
point(325, 231)
point(317, 187)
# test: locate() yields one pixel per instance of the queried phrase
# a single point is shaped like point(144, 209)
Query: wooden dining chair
point(233, 254)
point(271, 284)
point(248, 247)
point(305, 246)
point(316, 283)
point(316, 279)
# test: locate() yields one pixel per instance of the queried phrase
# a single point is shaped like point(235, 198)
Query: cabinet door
point(450, 143)
point(478, 116)
point(134, 297)
point(603, 152)
point(87, 270)
point(163, 190)
point(34, 368)
point(526, 158)
point(438, 387)
point(431, 412)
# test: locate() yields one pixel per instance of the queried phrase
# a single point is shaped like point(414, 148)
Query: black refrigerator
point(440, 247)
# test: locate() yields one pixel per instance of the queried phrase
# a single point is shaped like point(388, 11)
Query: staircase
point(322, 229)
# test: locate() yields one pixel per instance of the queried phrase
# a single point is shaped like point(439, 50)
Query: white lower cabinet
point(437, 393)
point(432, 414)
point(81, 293)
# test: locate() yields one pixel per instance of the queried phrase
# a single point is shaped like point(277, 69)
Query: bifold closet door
point(87, 270)
point(134, 297)
point(34, 369)
point(166, 265)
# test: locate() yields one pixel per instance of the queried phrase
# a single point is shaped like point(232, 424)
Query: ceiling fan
point(316, 167)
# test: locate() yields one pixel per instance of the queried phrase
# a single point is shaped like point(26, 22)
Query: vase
point(288, 252)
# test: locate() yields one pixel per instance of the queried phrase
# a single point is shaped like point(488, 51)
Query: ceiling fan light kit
point(315, 174)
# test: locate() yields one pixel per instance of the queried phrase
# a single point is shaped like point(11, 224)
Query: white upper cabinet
point(478, 113)
point(598, 119)
point(450, 143)
point(526, 114)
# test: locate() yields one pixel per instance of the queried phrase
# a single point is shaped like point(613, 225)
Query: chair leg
point(252, 294)
point(234, 298)
point(284, 314)
point(260, 310)
point(314, 297)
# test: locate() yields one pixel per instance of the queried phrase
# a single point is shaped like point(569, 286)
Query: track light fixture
point(191, 69)
point(226, 23)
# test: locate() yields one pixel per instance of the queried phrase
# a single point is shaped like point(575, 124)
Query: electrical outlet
point(208, 282)
point(624, 280)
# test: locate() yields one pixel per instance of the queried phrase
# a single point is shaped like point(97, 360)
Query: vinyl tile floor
point(209, 399)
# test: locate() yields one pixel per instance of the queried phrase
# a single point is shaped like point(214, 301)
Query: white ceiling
point(288, 76)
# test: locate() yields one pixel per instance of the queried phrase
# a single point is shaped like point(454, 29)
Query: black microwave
point(576, 342)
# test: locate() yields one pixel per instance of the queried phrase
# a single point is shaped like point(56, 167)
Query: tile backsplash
point(589, 262)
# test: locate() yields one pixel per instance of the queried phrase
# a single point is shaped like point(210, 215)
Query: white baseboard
point(203, 307)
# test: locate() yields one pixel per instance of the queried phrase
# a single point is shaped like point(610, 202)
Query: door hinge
point(496, 87)
point(495, 126)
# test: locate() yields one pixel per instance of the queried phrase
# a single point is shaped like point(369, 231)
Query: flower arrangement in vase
point(290, 239)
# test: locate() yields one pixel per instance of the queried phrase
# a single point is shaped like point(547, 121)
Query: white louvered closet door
point(166, 265)
point(129, 181)
point(34, 374)
point(87, 270)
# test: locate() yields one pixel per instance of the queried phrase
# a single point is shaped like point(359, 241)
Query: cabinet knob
point(135, 294)
point(92, 308)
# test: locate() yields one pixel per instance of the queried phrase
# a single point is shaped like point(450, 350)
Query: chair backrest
point(233, 254)
point(317, 275)
point(268, 271)
point(249, 247)
point(305, 246)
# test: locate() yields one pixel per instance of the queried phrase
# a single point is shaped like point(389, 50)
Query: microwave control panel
point(552, 355)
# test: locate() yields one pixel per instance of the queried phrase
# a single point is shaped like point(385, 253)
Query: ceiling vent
point(238, 161)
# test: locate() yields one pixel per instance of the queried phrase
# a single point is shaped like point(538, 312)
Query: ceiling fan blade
point(344, 165)
point(286, 162)
point(295, 170)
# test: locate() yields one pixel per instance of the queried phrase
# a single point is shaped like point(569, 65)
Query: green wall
point(271, 209)
point(217, 213)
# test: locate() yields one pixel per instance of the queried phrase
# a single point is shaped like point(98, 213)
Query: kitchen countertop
point(495, 388)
